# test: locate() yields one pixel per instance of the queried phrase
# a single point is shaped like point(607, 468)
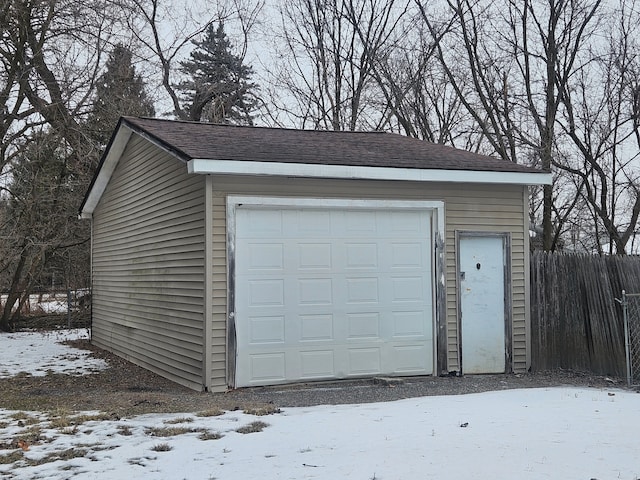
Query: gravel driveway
point(387, 389)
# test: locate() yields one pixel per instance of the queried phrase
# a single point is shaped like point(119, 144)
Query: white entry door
point(482, 303)
point(323, 293)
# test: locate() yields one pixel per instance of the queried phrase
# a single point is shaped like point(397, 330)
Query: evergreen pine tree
point(218, 88)
point(119, 91)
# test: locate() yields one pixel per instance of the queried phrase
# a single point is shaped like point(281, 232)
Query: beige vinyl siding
point(523, 333)
point(148, 264)
point(468, 207)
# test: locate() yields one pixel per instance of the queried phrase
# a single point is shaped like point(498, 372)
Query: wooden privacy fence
point(576, 322)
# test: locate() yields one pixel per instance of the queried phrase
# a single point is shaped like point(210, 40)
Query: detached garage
point(227, 256)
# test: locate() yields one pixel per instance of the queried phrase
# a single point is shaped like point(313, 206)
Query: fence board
point(575, 321)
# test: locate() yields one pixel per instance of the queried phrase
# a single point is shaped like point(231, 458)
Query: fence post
point(627, 351)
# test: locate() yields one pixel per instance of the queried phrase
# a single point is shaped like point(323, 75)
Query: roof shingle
point(191, 140)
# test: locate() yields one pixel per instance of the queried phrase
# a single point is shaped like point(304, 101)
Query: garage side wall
point(469, 207)
point(148, 264)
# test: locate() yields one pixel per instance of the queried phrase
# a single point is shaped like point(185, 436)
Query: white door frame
point(508, 317)
point(437, 252)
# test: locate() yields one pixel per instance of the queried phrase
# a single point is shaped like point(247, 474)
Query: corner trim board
point(207, 350)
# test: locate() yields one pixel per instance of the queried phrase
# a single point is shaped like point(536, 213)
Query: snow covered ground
point(37, 353)
point(557, 433)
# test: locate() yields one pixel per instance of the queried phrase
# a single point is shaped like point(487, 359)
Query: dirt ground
point(124, 389)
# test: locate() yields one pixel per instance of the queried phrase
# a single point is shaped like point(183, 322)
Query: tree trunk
point(547, 224)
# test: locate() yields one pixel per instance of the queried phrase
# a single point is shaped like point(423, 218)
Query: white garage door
point(324, 293)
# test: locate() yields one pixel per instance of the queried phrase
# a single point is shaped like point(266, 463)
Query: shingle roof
point(191, 140)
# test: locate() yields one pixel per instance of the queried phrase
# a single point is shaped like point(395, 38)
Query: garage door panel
point(364, 361)
point(262, 224)
point(317, 364)
point(360, 256)
point(266, 257)
point(410, 358)
point(267, 367)
point(314, 256)
point(407, 221)
point(407, 255)
point(408, 289)
point(363, 326)
point(315, 291)
point(362, 290)
point(265, 293)
point(336, 294)
point(309, 223)
point(266, 330)
point(409, 324)
point(316, 328)
point(357, 222)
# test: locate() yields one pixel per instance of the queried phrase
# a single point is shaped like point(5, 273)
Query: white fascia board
point(106, 170)
point(234, 167)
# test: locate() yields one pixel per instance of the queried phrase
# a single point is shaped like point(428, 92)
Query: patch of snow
point(38, 353)
point(559, 433)
point(53, 305)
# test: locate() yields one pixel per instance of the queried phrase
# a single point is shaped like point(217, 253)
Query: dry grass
point(63, 420)
point(209, 435)
point(95, 417)
point(178, 420)
point(253, 427)
point(168, 431)
point(162, 447)
point(32, 435)
point(211, 412)
point(60, 422)
point(11, 457)
point(261, 410)
point(63, 455)
point(24, 418)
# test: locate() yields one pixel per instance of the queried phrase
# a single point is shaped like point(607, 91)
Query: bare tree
point(50, 53)
point(600, 119)
point(329, 49)
point(417, 98)
point(39, 227)
point(508, 62)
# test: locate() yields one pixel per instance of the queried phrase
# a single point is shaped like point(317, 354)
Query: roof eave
point(110, 160)
point(105, 170)
point(236, 167)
